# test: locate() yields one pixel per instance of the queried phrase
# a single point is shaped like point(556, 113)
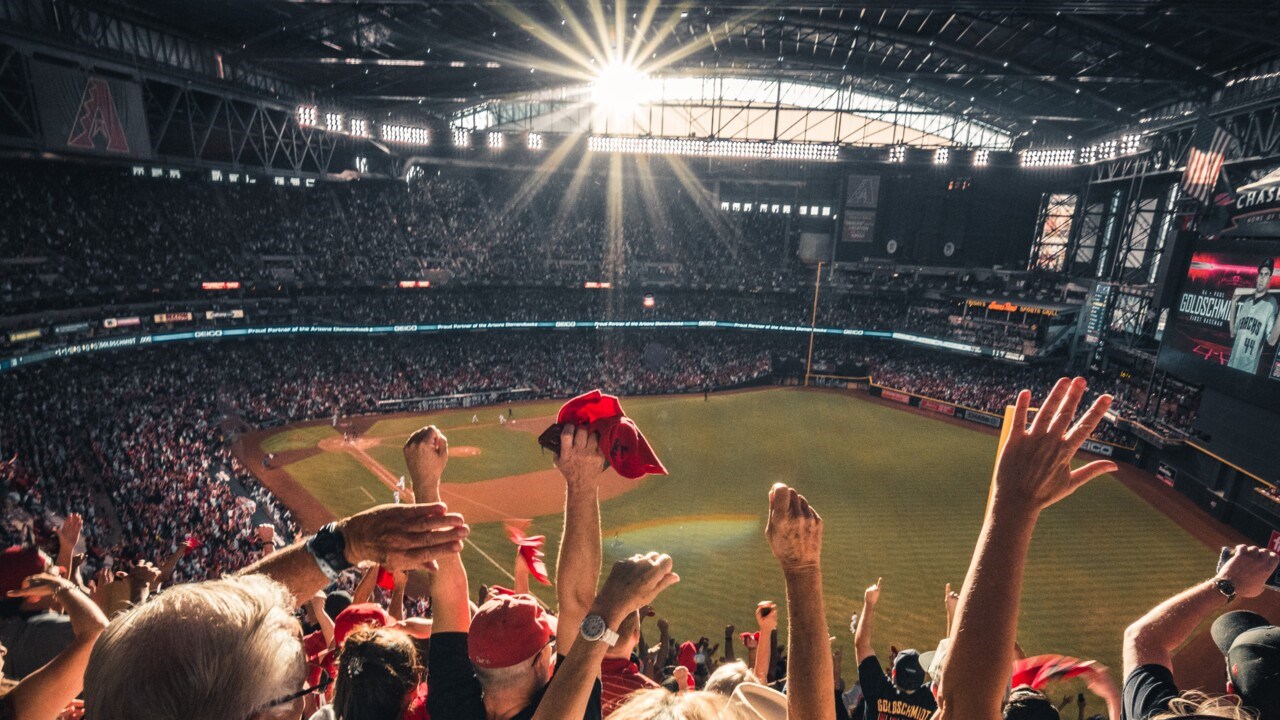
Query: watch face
point(593, 627)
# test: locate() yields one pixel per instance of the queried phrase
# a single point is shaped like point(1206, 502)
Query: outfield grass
point(902, 496)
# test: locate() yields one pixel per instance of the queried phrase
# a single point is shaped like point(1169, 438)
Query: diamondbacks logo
point(97, 118)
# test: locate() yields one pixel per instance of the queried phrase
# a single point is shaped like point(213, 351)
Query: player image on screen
point(1253, 321)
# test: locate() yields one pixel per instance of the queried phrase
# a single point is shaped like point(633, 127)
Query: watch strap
point(328, 548)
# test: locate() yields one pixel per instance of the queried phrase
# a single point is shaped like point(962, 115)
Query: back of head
point(1198, 705)
point(908, 673)
point(205, 651)
point(378, 670)
point(1027, 703)
point(729, 676)
point(660, 704)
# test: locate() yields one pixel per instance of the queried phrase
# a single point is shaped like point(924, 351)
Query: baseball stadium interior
point(303, 304)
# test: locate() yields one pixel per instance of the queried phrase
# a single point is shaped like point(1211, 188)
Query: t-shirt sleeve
point(455, 692)
point(872, 678)
point(1148, 690)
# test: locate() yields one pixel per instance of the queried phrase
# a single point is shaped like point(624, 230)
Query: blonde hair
point(728, 677)
point(1197, 704)
point(659, 704)
point(204, 651)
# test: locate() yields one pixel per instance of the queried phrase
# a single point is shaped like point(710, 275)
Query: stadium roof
point(1083, 66)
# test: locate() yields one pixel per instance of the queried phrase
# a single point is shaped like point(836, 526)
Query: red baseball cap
point(620, 440)
point(358, 616)
point(18, 564)
point(509, 629)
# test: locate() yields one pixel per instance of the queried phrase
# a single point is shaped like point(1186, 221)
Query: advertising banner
point(173, 317)
point(938, 407)
point(90, 113)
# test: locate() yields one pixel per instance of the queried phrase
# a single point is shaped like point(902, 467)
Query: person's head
point(334, 603)
point(510, 645)
point(729, 676)
point(1265, 270)
point(1198, 705)
point(628, 637)
point(378, 674)
point(1251, 646)
point(1027, 703)
point(16, 565)
point(358, 616)
point(219, 650)
point(908, 674)
point(659, 704)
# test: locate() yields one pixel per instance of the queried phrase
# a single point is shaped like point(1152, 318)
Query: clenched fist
point(794, 530)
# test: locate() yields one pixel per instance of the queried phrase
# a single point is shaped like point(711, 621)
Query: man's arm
point(1234, 308)
point(397, 596)
point(578, 565)
point(368, 582)
point(44, 693)
point(632, 583)
point(862, 643)
point(322, 618)
point(949, 600)
point(1033, 471)
point(1273, 337)
point(399, 537)
point(1152, 639)
point(794, 531)
point(426, 454)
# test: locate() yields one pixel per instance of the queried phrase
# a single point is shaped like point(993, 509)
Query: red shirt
point(619, 677)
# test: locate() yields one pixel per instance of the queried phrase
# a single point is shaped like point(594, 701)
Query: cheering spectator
point(1251, 644)
point(903, 695)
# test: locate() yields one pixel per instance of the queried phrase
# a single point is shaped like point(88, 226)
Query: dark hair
point(377, 669)
point(1268, 265)
point(1027, 703)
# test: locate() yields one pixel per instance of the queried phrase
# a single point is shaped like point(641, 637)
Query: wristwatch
point(1226, 587)
point(329, 549)
point(594, 629)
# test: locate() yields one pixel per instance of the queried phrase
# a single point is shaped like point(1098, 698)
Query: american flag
point(1209, 147)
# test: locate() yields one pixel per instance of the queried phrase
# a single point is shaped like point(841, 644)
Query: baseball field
point(901, 492)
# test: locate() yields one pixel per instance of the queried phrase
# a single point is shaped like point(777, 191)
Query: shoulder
point(1147, 690)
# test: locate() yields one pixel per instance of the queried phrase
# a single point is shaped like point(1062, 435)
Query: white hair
point(206, 651)
point(729, 676)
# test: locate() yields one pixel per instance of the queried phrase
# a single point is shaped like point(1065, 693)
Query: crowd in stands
point(331, 627)
point(83, 227)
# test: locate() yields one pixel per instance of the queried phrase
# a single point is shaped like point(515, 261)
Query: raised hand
point(580, 459)
point(403, 537)
point(949, 600)
point(426, 453)
point(794, 530)
point(871, 595)
point(1033, 470)
point(69, 533)
point(266, 533)
point(43, 585)
point(766, 617)
point(635, 582)
point(1248, 569)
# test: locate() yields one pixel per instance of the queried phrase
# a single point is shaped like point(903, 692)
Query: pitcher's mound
point(464, 451)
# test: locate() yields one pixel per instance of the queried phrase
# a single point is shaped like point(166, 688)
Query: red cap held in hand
point(530, 549)
point(621, 441)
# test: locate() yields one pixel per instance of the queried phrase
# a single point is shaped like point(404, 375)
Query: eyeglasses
point(325, 682)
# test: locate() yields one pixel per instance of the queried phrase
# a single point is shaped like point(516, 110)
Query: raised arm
point(1033, 471)
point(862, 643)
point(68, 538)
point(399, 537)
point(578, 566)
point(795, 536)
point(950, 599)
point(632, 583)
point(766, 623)
point(44, 693)
point(321, 616)
point(426, 454)
point(1152, 639)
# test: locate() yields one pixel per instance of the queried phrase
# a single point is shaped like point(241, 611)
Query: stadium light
point(307, 115)
point(619, 88)
point(713, 148)
point(1059, 157)
point(941, 156)
point(333, 122)
point(982, 158)
point(461, 138)
point(535, 141)
point(898, 153)
point(495, 140)
point(406, 134)
point(359, 127)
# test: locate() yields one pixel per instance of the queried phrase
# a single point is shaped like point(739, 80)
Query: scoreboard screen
point(1224, 328)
